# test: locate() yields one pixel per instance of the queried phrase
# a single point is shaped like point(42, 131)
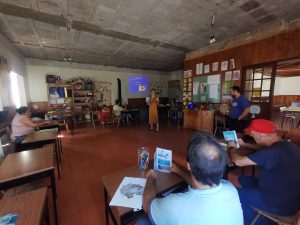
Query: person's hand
point(175, 168)
point(241, 142)
point(151, 175)
point(231, 144)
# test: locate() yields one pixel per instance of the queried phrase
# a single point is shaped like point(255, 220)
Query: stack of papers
point(130, 193)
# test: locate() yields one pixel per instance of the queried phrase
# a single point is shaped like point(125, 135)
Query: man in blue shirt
point(239, 110)
point(209, 200)
point(277, 190)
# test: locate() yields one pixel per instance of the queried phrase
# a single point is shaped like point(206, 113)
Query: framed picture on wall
point(224, 65)
point(215, 66)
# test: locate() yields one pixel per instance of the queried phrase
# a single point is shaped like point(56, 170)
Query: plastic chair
point(281, 220)
point(286, 116)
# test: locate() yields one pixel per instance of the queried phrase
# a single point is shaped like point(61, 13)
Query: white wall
point(16, 62)
point(37, 70)
point(287, 86)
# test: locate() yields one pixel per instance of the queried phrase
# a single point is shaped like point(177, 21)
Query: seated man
point(277, 190)
point(118, 109)
point(209, 200)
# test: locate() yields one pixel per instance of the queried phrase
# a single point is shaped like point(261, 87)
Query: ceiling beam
point(17, 11)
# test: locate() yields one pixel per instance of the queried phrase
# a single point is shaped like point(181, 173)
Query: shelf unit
point(60, 99)
point(83, 101)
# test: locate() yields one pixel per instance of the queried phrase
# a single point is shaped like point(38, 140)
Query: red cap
point(261, 126)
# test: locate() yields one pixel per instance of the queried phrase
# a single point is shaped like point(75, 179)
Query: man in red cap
point(277, 190)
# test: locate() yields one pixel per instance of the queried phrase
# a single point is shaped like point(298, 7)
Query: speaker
point(119, 91)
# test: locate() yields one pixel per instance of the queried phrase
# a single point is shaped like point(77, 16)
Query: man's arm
point(250, 145)
point(244, 113)
point(149, 191)
point(238, 159)
point(182, 172)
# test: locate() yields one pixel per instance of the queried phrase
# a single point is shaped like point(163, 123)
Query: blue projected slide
point(138, 84)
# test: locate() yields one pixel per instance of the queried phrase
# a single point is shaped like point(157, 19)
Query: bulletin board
point(207, 89)
point(102, 94)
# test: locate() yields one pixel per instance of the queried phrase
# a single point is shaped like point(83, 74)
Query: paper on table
point(213, 91)
point(129, 193)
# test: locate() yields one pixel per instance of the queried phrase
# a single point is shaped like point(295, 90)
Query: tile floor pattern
point(91, 154)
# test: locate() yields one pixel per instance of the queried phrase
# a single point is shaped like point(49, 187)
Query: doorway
point(258, 87)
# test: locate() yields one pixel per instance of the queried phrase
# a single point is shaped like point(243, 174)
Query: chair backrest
point(282, 108)
point(224, 108)
point(255, 110)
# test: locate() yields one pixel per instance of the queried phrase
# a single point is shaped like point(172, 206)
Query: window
point(17, 89)
point(258, 84)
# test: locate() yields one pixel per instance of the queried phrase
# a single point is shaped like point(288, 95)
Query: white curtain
point(5, 83)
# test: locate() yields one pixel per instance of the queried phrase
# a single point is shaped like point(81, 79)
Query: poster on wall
point(215, 66)
point(228, 75)
point(224, 65)
point(102, 94)
point(231, 64)
point(208, 89)
point(159, 86)
point(187, 73)
point(236, 75)
point(199, 68)
point(206, 68)
point(226, 86)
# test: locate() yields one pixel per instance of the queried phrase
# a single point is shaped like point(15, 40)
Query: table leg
point(57, 158)
point(47, 217)
point(106, 207)
point(54, 195)
point(60, 142)
point(282, 120)
point(108, 210)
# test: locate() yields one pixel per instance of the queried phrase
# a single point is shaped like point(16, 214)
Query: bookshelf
point(83, 100)
point(60, 97)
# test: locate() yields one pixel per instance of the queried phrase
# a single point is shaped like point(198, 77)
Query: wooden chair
point(220, 119)
point(280, 220)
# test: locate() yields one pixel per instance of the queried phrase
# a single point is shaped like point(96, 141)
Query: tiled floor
point(91, 154)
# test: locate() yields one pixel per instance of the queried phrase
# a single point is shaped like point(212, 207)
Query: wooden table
point(31, 207)
point(121, 215)
point(38, 138)
point(291, 109)
point(28, 166)
point(56, 126)
point(133, 112)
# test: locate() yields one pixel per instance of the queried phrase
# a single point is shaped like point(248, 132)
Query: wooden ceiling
point(288, 68)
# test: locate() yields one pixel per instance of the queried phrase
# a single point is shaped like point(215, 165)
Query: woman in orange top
point(153, 113)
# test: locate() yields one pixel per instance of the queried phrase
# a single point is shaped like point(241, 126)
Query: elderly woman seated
point(22, 125)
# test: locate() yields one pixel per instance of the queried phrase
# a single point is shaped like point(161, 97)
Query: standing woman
point(153, 113)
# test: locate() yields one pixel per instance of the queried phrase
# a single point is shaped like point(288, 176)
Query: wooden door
point(258, 87)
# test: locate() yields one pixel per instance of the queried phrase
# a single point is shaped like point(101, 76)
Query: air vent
point(249, 5)
point(258, 13)
point(267, 19)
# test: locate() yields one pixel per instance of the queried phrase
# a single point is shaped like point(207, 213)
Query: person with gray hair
point(209, 200)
